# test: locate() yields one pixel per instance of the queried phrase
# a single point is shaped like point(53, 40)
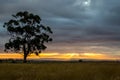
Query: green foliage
point(28, 34)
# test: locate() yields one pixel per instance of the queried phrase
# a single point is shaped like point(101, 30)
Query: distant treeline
point(33, 61)
point(52, 61)
point(10, 60)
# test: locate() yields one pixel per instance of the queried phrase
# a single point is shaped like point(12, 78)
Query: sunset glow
point(58, 56)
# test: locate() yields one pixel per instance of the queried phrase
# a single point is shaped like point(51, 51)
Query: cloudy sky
point(79, 26)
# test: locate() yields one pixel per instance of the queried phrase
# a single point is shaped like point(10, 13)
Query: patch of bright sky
point(82, 3)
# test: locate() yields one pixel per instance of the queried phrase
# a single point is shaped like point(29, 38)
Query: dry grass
point(60, 71)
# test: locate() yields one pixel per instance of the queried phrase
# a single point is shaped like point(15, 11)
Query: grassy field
point(60, 71)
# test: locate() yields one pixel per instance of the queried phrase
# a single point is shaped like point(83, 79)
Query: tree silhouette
point(28, 35)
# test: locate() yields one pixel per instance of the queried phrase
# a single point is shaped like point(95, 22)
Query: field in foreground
point(60, 71)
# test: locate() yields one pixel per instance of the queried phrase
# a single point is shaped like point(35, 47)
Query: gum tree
point(28, 35)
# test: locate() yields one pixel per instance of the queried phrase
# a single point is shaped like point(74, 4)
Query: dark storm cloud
point(71, 21)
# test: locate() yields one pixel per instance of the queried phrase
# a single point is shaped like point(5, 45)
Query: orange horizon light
point(58, 56)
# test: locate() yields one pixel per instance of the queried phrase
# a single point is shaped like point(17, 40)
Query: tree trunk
point(25, 58)
point(25, 54)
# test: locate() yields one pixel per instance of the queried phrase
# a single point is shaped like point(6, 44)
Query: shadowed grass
point(60, 71)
